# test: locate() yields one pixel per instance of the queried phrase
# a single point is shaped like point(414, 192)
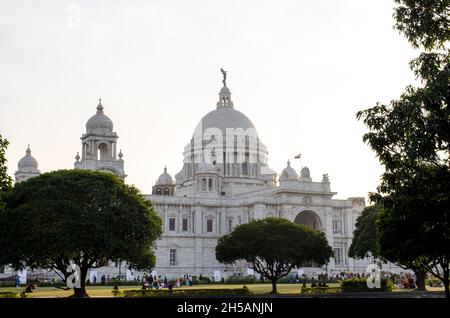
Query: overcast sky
point(300, 70)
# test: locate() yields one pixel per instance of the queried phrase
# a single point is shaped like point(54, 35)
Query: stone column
point(260, 211)
point(328, 227)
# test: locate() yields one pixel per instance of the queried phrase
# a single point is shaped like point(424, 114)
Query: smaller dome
point(28, 163)
point(289, 172)
point(165, 178)
point(305, 174)
point(225, 91)
point(206, 167)
point(99, 121)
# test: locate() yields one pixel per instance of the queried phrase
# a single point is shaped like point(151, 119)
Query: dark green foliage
point(251, 279)
point(5, 179)
point(77, 216)
point(364, 237)
point(320, 290)
point(411, 138)
point(360, 285)
point(186, 292)
point(273, 247)
point(425, 23)
point(9, 295)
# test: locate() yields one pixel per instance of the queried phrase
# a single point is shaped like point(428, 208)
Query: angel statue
point(224, 73)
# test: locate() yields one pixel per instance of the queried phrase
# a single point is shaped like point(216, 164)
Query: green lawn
point(105, 291)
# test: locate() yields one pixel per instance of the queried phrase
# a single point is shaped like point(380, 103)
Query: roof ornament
point(224, 73)
point(99, 106)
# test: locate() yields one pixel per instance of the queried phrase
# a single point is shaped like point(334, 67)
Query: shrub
point(360, 285)
point(185, 292)
point(320, 290)
point(9, 295)
point(250, 279)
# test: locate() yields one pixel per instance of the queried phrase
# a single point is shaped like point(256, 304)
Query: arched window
point(158, 191)
point(102, 152)
point(203, 184)
point(166, 191)
point(210, 184)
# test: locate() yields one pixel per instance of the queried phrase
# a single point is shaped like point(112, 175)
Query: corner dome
point(289, 172)
point(99, 123)
point(28, 163)
point(206, 167)
point(165, 178)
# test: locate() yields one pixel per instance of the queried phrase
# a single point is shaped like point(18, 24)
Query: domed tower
point(227, 139)
point(99, 146)
point(288, 175)
point(164, 185)
point(27, 167)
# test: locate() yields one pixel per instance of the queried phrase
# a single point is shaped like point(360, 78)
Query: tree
point(413, 229)
point(77, 217)
point(364, 237)
point(5, 179)
point(411, 137)
point(366, 240)
point(273, 247)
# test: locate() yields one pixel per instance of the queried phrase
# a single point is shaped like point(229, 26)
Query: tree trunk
point(420, 280)
point(446, 285)
point(81, 292)
point(274, 286)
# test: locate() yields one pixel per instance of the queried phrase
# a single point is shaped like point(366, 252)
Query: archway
point(102, 152)
point(309, 219)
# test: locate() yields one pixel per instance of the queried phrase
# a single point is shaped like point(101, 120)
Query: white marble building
point(225, 181)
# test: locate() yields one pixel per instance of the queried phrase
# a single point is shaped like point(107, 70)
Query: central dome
point(226, 117)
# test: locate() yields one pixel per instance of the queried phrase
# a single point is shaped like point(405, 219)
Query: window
point(2, 269)
point(245, 168)
point(338, 255)
point(210, 184)
point(230, 225)
point(172, 224)
point(203, 184)
point(336, 226)
point(166, 191)
point(173, 257)
point(209, 225)
point(158, 191)
point(185, 225)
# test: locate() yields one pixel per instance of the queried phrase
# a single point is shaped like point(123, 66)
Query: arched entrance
point(309, 219)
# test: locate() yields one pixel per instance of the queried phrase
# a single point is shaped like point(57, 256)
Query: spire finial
point(28, 150)
point(165, 169)
point(99, 106)
point(120, 155)
point(289, 163)
point(224, 94)
point(77, 157)
point(224, 73)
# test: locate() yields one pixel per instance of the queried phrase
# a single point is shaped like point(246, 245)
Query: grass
point(105, 291)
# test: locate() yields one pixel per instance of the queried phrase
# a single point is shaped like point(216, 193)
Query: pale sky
point(300, 70)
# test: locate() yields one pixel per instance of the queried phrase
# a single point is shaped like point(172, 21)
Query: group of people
point(157, 282)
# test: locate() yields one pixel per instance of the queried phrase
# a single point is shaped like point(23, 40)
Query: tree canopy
point(5, 179)
point(411, 138)
point(273, 247)
point(77, 217)
point(365, 237)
